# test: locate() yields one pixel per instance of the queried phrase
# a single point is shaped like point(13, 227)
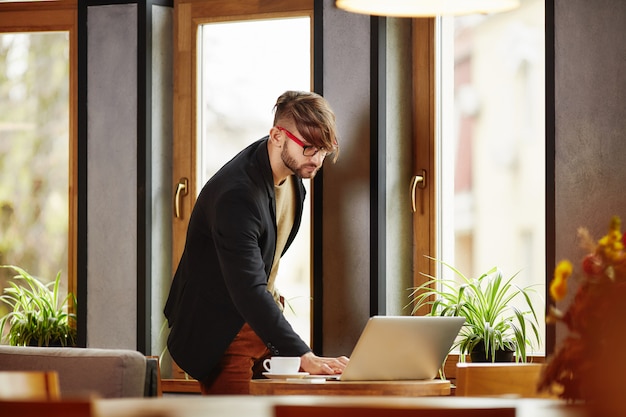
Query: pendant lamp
point(425, 8)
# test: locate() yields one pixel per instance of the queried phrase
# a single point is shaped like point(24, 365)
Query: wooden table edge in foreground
point(422, 388)
point(265, 405)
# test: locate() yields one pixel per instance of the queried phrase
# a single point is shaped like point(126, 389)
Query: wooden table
point(263, 406)
point(422, 388)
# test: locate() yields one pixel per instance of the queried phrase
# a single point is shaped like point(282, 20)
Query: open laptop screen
point(402, 348)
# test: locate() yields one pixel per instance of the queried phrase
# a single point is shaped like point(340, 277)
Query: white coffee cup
point(284, 365)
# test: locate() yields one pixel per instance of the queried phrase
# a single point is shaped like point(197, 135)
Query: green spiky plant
point(38, 314)
point(492, 322)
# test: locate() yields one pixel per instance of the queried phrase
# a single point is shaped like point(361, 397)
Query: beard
point(306, 170)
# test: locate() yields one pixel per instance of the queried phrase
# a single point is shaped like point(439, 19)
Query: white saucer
point(271, 375)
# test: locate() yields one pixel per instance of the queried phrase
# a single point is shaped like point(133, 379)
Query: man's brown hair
point(312, 116)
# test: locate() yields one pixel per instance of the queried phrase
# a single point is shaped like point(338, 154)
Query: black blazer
point(221, 280)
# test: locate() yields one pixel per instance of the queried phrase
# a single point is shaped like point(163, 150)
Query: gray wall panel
point(590, 73)
point(347, 183)
point(112, 176)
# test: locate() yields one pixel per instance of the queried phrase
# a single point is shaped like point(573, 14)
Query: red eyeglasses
point(307, 150)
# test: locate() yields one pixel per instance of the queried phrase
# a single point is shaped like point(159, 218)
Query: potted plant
point(493, 325)
point(38, 316)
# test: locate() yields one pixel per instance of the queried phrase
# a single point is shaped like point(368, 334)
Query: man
point(223, 309)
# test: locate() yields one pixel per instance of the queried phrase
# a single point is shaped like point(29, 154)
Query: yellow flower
point(615, 224)
point(611, 246)
point(558, 287)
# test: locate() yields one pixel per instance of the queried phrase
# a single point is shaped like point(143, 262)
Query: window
point(491, 145)
point(211, 112)
point(235, 109)
point(37, 139)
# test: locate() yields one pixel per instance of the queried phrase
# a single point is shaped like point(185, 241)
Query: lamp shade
point(425, 8)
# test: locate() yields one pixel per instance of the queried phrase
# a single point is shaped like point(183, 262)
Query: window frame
point(424, 59)
point(46, 16)
point(188, 16)
point(424, 125)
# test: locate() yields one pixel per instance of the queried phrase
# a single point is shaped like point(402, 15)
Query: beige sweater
point(285, 213)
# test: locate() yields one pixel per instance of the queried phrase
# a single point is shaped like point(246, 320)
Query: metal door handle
point(418, 181)
point(181, 190)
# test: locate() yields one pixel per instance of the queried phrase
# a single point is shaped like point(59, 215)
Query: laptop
point(402, 348)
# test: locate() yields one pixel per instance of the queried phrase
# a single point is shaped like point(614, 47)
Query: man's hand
point(316, 365)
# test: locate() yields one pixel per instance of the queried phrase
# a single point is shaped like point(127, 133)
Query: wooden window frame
point(188, 16)
point(424, 158)
point(58, 15)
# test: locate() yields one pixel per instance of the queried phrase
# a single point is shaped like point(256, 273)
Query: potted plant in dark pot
point(495, 328)
point(38, 314)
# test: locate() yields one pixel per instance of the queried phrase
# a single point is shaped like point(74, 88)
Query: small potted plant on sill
point(494, 329)
point(38, 316)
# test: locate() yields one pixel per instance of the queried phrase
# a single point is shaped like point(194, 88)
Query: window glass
point(491, 157)
point(243, 67)
point(34, 154)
